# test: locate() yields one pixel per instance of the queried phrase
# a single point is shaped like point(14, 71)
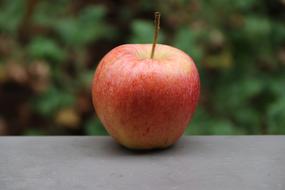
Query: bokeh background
point(50, 49)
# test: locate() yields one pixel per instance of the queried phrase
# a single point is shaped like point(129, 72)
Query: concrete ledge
point(90, 163)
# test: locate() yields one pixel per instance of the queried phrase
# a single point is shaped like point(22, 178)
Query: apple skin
point(145, 103)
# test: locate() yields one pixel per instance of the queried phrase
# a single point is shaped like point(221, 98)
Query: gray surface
point(196, 163)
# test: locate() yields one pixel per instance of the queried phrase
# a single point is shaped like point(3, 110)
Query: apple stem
point(156, 30)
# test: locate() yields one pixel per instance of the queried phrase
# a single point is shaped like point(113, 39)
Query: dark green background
point(50, 49)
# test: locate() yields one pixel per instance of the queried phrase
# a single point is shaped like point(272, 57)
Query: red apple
point(145, 102)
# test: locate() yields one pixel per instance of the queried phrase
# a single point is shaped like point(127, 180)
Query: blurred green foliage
point(50, 49)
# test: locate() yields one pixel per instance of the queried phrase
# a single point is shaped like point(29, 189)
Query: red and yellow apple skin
point(145, 103)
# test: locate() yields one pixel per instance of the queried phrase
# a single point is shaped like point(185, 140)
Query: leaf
point(278, 33)
point(257, 29)
point(142, 33)
point(223, 127)
point(248, 119)
point(48, 103)
point(45, 48)
point(94, 127)
point(34, 132)
point(88, 27)
point(185, 40)
point(276, 117)
point(92, 13)
point(237, 93)
point(244, 5)
point(11, 15)
point(86, 78)
point(197, 125)
point(204, 124)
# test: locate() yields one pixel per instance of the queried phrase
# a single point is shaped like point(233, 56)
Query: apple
point(146, 94)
